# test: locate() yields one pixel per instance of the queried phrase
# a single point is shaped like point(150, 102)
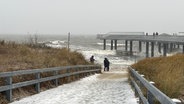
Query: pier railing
point(150, 94)
point(56, 74)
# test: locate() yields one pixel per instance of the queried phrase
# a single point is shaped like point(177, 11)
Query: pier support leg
point(111, 44)
point(152, 49)
point(126, 45)
point(140, 46)
point(164, 49)
point(147, 49)
point(115, 43)
point(104, 46)
point(131, 45)
point(171, 47)
point(167, 49)
point(178, 46)
point(174, 45)
point(183, 48)
point(159, 47)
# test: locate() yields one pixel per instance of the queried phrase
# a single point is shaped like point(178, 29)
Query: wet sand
point(114, 73)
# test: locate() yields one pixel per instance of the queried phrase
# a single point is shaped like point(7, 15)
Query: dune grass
point(23, 56)
point(15, 56)
point(166, 72)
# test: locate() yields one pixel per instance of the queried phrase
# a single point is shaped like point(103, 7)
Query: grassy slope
point(21, 56)
point(166, 72)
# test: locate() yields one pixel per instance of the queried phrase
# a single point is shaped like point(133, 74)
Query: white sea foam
point(56, 44)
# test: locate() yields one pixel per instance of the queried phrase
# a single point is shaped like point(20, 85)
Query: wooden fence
point(56, 74)
point(151, 92)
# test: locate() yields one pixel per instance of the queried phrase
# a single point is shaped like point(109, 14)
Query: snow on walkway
point(106, 88)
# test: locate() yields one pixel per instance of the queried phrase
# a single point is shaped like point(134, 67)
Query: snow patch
point(89, 90)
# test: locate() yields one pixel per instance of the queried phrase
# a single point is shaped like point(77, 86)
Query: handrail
point(84, 69)
point(31, 71)
point(152, 91)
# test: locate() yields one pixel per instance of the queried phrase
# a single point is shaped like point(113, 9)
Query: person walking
point(106, 64)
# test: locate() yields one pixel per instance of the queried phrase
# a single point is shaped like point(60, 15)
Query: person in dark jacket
point(106, 64)
point(92, 59)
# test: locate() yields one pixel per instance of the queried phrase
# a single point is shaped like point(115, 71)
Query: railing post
point(93, 71)
point(9, 92)
point(150, 97)
point(77, 76)
point(88, 73)
point(37, 87)
point(82, 74)
point(56, 80)
point(100, 71)
point(68, 71)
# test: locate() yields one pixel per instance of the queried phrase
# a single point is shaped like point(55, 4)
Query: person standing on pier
point(156, 33)
point(106, 64)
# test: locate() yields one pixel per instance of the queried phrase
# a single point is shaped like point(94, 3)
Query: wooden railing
point(68, 71)
point(152, 93)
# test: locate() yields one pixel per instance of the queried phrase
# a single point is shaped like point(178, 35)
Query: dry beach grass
point(15, 56)
point(166, 72)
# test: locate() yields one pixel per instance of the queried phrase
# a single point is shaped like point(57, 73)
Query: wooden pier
point(164, 41)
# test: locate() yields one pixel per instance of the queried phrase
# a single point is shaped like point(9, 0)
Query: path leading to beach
point(107, 88)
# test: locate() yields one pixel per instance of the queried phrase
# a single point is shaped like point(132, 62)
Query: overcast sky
point(90, 16)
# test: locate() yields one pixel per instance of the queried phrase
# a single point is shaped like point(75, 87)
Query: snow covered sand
point(106, 88)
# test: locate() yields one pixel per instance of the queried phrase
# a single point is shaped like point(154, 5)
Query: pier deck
point(164, 41)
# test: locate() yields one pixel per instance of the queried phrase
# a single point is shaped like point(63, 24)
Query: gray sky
point(90, 16)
